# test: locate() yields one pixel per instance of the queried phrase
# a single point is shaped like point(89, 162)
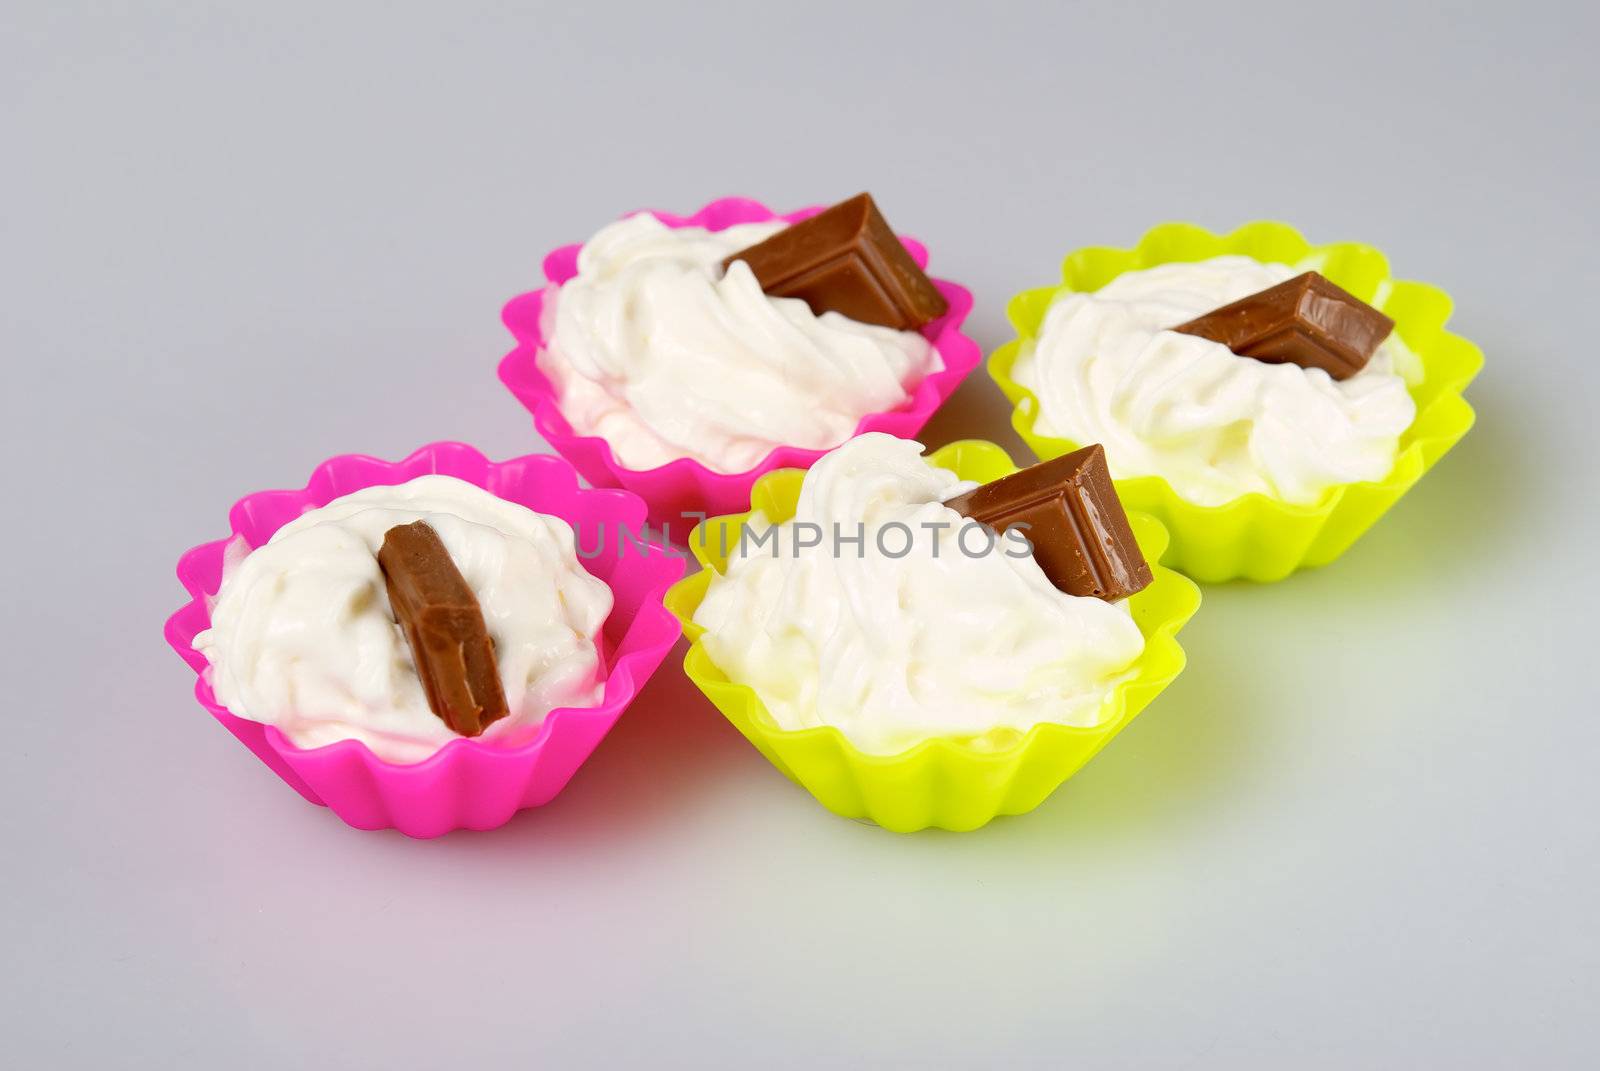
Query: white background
point(1360, 831)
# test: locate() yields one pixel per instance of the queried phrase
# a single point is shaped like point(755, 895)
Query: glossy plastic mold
point(467, 784)
point(949, 784)
point(685, 486)
point(1254, 536)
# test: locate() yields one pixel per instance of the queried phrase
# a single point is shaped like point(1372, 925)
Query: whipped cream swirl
point(655, 349)
point(943, 640)
point(302, 635)
point(1107, 369)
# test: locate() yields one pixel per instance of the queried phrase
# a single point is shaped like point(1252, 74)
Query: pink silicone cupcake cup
point(685, 486)
point(467, 784)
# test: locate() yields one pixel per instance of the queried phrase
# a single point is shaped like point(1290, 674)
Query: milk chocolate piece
point(1072, 515)
point(846, 260)
point(444, 626)
point(1305, 321)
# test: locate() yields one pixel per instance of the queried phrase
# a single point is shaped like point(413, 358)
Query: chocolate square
point(1306, 321)
point(846, 260)
point(1070, 512)
point(444, 626)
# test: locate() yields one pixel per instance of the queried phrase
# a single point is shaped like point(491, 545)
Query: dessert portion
point(882, 609)
point(667, 345)
point(1225, 377)
point(406, 617)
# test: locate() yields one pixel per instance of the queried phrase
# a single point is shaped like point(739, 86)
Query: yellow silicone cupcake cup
point(942, 782)
point(1255, 536)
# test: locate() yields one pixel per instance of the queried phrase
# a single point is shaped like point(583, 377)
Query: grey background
point(1358, 832)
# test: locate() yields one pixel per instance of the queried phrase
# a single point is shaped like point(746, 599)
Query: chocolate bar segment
point(846, 260)
point(1306, 321)
point(1070, 512)
point(444, 625)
